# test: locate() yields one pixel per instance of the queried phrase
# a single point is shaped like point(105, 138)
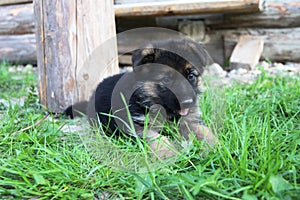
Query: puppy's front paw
point(203, 133)
point(161, 146)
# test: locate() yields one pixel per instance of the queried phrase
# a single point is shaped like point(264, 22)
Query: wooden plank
point(137, 1)
point(187, 7)
point(17, 19)
point(10, 2)
point(97, 42)
point(279, 44)
point(247, 52)
point(276, 15)
point(72, 49)
point(19, 49)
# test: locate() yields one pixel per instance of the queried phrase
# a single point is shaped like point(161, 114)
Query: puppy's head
point(178, 54)
point(173, 69)
point(183, 55)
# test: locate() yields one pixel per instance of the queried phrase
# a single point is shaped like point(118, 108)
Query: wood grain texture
point(138, 1)
point(17, 19)
point(68, 35)
point(10, 2)
point(187, 7)
point(97, 56)
point(19, 49)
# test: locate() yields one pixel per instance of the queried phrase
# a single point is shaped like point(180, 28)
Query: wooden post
point(76, 48)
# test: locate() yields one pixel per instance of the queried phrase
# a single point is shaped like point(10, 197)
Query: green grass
point(15, 84)
point(257, 157)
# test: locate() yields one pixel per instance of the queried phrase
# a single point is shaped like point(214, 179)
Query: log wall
point(278, 24)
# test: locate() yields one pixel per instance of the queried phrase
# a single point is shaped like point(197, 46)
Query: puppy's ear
point(143, 56)
point(208, 58)
point(202, 53)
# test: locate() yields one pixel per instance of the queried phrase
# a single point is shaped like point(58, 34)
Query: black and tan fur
point(186, 57)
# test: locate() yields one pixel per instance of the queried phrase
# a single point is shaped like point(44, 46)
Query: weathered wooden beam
point(19, 49)
point(187, 7)
point(276, 15)
point(10, 2)
point(17, 19)
point(279, 44)
point(76, 48)
point(137, 1)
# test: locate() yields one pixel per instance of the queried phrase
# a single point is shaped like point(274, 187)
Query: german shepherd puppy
point(165, 84)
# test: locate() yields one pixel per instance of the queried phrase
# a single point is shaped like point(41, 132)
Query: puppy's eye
point(191, 77)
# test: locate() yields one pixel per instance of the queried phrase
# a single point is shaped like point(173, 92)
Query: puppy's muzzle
point(187, 103)
point(185, 106)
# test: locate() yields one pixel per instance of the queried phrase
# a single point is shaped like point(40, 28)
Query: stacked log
point(17, 38)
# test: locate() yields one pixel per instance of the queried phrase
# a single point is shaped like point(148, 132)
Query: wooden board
point(17, 19)
point(247, 52)
point(187, 7)
point(138, 1)
point(72, 49)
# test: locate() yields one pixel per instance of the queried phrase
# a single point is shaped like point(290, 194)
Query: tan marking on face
point(150, 89)
point(148, 50)
point(187, 66)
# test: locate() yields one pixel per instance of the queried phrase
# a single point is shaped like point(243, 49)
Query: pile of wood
point(278, 25)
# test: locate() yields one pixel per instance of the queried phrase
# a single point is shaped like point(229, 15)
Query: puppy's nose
point(187, 102)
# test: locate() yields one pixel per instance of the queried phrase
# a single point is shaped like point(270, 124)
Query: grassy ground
point(257, 156)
